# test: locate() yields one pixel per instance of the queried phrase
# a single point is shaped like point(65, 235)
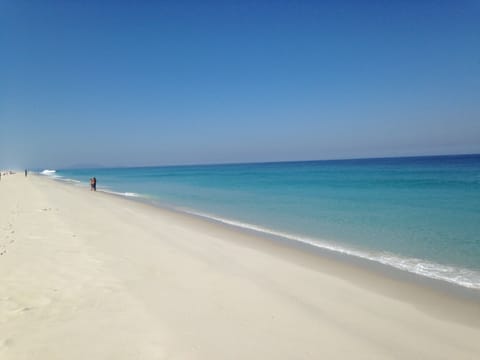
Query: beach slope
point(88, 275)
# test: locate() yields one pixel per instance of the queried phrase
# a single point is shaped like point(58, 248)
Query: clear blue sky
point(175, 82)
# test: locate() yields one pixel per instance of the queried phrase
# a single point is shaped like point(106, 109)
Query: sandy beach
point(88, 275)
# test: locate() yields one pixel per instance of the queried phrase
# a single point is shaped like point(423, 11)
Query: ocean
point(417, 214)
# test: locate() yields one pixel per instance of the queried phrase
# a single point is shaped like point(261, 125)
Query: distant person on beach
point(91, 184)
point(94, 183)
point(25, 172)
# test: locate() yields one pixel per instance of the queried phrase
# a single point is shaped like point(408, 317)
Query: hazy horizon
point(102, 166)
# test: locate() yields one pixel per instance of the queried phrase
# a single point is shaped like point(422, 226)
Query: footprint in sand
point(16, 308)
point(4, 343)
point(21, 310)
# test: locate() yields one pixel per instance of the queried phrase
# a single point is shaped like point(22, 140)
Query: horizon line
point(266, 162)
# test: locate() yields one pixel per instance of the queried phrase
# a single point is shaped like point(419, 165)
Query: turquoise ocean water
point(419, 214)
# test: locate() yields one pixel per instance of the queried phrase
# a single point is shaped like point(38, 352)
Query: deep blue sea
point(419, 214)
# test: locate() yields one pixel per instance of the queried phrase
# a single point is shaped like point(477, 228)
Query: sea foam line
point(53, 174)
point(455, 275)
point(126, 194)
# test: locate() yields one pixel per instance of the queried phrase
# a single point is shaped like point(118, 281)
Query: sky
point(139, 83)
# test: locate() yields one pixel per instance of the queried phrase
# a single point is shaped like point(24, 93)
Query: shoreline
point(297, 252)
point(349, 259)
point(321, 247)
point(105, 277)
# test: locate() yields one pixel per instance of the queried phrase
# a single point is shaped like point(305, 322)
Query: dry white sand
point(91, 276)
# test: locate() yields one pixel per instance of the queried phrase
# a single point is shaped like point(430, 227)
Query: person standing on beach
point(94, 183)
point(25, 172)
point(91, 184)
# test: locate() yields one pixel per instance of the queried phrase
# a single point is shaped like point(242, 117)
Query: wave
point(126, 194)
point(452, 274)
point(53, 174)
point(69, 180)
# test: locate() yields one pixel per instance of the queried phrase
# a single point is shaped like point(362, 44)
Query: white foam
point(70, 180)
point(452, 274)
point(48, 172)
point(130, 194)
point(126, 194)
